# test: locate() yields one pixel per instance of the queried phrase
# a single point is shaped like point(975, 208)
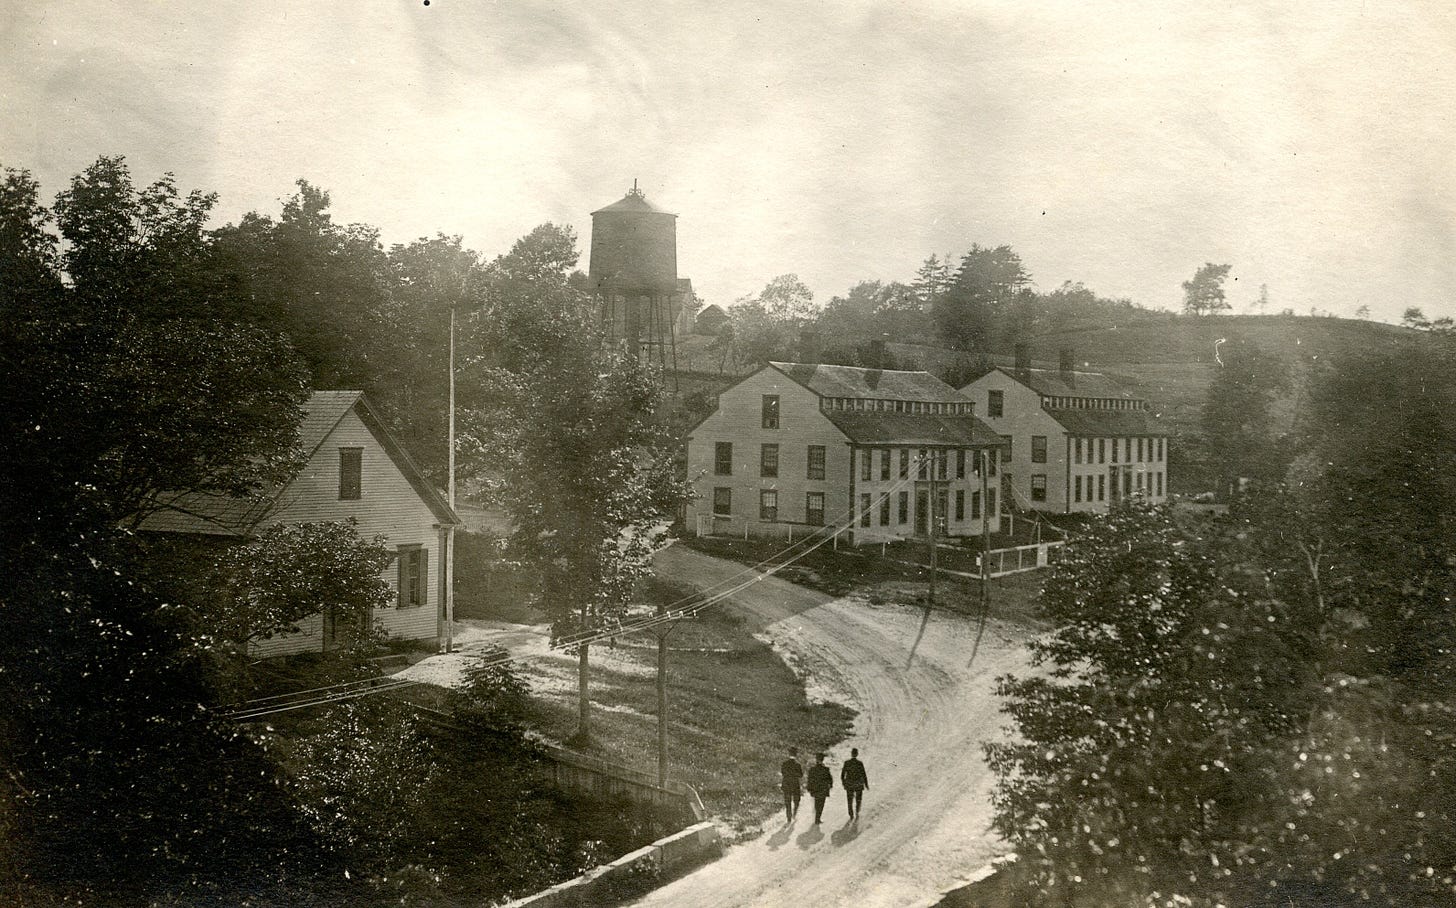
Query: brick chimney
point(1023, 362)
point(1069, 375)
point(809, 347)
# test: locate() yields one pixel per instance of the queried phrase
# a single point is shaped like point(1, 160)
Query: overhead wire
point(351, 690)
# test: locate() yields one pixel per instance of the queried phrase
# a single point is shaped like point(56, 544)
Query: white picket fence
point(1021, 558)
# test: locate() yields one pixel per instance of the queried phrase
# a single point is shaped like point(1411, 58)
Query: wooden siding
point(739, 420)
point(1024, 417)
point(387, 506)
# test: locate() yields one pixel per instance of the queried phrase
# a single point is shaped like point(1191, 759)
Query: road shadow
point(920, 635)
point(810, 836)
point(845, 834)
point(781, 838)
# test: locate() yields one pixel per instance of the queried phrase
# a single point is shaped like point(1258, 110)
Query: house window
point(884, 463)
point(1005, 448)
point(723, 458)
point(960, 463)
point(995, 402)
point(904, 463)
point(866, 465)
point(1140, 449)
point(864, 510)
point(814, 508)
point(351, 473)
point(923, 465)
point(990, 502)
point(816, 462)
point(1114, 450)
point(903, 511)
point(1127, 449)
point(990, 464)
point(1101, 487)
point(1038, 449)
point(1102, 450)
point(884, 510)
point(768, 460)
point(942, 463)
point(1078, 449)
point(1139, 481)
point(1159, 474)
point(413, 576)
point(768, 505)
point(975, 505)
point(1038, 487)
point(960, 504)
point(722, 501)
point(1161, 450)
point(770, 411)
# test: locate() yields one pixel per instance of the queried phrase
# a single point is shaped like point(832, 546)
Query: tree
point(984, 286)
point(1257, 710)
point(1362, 312)
point(1414, 317)
point(325, 286)
point(1203, 295)
point(787, 300)
point(573, 441)
point(932, 279)
point(1237, 424)
point(265, 587)
point(133, 379)
point(1262, 303)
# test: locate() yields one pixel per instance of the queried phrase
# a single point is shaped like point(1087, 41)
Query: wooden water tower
point(633, 273)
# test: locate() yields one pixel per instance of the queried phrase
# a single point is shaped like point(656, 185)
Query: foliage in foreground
point(1257, 710)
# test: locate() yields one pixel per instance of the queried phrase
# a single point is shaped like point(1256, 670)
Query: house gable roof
point(322, 413)
point(871, 384)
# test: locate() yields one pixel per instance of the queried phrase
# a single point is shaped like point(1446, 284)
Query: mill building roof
point(1107, 422)
point(872, 428)
point(871, 384)
point(1053, 383)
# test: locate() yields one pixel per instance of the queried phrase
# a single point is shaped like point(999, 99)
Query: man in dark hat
point(820, 781)
point(793, 782)
point(854, 779)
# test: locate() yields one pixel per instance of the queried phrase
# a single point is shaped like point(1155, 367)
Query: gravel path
point(926, 822)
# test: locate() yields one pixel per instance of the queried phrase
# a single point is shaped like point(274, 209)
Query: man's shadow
point(846, 833)
point(810, 836)
point(781, 837)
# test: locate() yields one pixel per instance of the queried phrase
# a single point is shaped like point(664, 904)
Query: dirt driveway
point(926, 819)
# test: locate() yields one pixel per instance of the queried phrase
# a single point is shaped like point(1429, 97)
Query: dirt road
point(922, 720)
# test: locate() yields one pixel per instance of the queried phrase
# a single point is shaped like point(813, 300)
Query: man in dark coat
point(793, 782)
point(855, 781)
point(820, 781)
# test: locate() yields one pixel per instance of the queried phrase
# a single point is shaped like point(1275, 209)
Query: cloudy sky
point(1119, 144)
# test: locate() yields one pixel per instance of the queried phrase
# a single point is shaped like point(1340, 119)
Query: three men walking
point(820, 781)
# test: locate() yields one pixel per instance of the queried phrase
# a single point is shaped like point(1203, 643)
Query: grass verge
point(733, 705)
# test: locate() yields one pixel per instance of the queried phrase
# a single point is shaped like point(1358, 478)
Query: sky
point(1117, 144)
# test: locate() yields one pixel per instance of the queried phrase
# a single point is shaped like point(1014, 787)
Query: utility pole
point(662, 631)
point(450, 534)
point(930, 599)
point(985, 534)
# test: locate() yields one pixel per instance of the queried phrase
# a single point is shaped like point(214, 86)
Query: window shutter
point(424, 556)
point(402, 575)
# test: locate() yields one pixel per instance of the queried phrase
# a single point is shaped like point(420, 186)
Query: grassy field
point(732, 706)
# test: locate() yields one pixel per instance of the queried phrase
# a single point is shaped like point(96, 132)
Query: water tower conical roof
point(634, 202)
